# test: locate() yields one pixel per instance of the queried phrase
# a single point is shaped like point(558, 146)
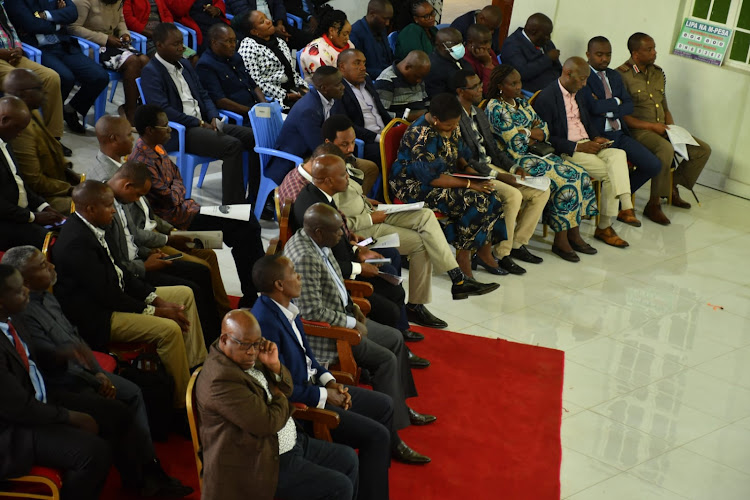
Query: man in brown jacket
point(251, 447)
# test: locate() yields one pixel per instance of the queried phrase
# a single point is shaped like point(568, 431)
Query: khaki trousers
point(179, 352)
point(423, 241)
point(519, 224)
point(610, 167)
point(207, 257)
point(52, 109)
point(371, 171)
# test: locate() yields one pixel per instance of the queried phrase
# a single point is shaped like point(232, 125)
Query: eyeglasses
point(246, 346)
point(161, 127)
point(427, 16)
point(474, 87)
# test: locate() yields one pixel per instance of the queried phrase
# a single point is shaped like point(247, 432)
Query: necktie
point(615, 124)
point(19, 346)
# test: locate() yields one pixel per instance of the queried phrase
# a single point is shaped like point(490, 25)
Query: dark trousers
point(13, 234)
point(372, 152)
point(646, 164)
point(85, 459)
point(317, 470)
point(388, 300)
point(73, 66)
point(366, 427)
point(247, 247)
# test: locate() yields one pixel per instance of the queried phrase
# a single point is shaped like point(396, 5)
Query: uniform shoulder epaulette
point(625, 67)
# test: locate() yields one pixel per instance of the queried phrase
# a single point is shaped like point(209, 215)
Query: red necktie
point(19, 346)
point(608, 95)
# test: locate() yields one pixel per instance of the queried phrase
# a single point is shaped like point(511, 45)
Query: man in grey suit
point(324, 298)
point(487, 159)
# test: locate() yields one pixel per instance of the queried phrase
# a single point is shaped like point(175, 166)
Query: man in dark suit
point(301, 132)
point(23, 214)
point(170, 82)
point(447, 57)
point(531, 51)
point(366, 417)
point(490, 16)
point(608, 103)
point(370, 35)
point(251, 447)
point(32, 431)
point(575, 137)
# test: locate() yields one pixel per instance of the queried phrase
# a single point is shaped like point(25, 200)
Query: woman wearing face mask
point(419, 35)
point(334, 30)
point(102, 22)
point(430, 151)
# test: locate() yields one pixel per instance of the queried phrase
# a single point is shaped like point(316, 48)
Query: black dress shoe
point(404, 454)
point(476, 262)
point(410, 336)
point(569, 256)
point(70, 116)
point(420, 418)
point(472, 287)
point(510, 266)
point(526, 256)
point(417, 362)
point(418, 313)
point(66, 150)
point(585, 248)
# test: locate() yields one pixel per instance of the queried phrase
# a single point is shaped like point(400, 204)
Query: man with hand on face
point(531, 51)
point(447, 57)
point(370, 35)
point(401, 86)
point(575, 137)
point(491, 17)
point(479, 54)
point(251, 446)
point(609, 102)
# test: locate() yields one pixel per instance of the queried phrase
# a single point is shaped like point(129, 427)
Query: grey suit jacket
point(102, 170)
point(118, 245)
point(498, 157)
point(353, 204)
point(145, 239)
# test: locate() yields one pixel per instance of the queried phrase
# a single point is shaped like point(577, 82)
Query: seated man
point(608, 103)
point(650, 119)
point(300, 133)
point(573, 136)
point(108, 303)
point(203, 14)
point(447, 57)
point(479, 54)
point(44, 25)
point(39, 155)
point(491, 17)
point(170, 82)
point(68, 364)
point(531, 51)
point(370, 35)
point(222, 73)
point(324, 298)
point(167, 198)
point(250, 442)
point(361, 103)
point(366, 417)
point(301, 176)
point(142, 16)
point(32, 430)
point(487, 159)
point(401, 87)
point(130, 251)
point(23, 213)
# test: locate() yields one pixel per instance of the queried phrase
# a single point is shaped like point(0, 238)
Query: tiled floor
point(657, 337)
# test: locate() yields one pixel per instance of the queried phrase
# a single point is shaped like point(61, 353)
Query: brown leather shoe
point(677, 201)
point(653, 211)
point(609, 236)
point(628, 217)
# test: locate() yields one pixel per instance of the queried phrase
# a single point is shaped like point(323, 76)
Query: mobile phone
point(384, 260)
point(607, 144)
point(172, 257)
point(368, 241)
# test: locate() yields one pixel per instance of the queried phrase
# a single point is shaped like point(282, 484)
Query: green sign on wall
point(703, 41)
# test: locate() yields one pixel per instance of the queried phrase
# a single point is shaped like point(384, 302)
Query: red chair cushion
point(107, 362)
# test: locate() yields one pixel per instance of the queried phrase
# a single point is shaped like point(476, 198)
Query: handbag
point(541, 149)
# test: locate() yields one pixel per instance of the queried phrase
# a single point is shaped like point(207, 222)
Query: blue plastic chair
point(392, 37)
point(32, 53)
point(90, 49)
point(294, 20)
point(266, 121)
point(188, 35)
point(299, 64)
point(499, 61)
point(444, 25)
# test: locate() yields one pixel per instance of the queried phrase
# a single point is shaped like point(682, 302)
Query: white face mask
point(457, 51)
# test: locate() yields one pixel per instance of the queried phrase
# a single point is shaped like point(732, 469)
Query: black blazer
point(598, 103)
point(499, 158)
point(441, 71)
point(349, 106)
point(536, 68)
point(9, 209)
point(87, 285)
point(550, 106)
point(462, 23)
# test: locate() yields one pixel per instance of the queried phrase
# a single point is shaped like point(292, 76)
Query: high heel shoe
point(476, 261)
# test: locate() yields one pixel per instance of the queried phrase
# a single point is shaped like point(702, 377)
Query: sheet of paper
point(680, 137)
point(391, 278)
point(237, 212)
point(388, 241)
point(540, 183)
point(394, 208)
point(202, 239)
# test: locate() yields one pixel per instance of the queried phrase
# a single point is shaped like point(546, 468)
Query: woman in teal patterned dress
point(430, 151)
point(514, 124)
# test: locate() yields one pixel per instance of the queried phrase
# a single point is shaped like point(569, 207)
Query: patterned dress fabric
point(571, 192)
point(474, 218)
point(265, 68)
point(320, 52)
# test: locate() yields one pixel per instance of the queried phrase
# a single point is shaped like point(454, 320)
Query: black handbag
point(541, 149)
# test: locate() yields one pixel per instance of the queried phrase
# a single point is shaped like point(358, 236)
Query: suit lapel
point(5, 343)
point(270, 304)
point(560, 102)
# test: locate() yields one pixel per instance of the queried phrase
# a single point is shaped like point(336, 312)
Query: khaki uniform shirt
point(647, 90)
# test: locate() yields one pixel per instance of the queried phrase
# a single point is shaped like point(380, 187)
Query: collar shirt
point(288, 433)
point(149, 224)
point(189, 103)
point(478, 135)
point(129, 238)
point(304, 174)
point(576, 130)
point(532, 43)
point(40, 391)
point(373, 121)
point(327, 105)
point(23, 199)
point(326, 255)
point(602, 75)
point(99, 234)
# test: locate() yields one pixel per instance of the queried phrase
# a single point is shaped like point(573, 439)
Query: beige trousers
point(179, 352)
point(519, 224)
point(610, 167)
point(52, 109)
point(371, 171)
point(207, 257)
point(423, 241)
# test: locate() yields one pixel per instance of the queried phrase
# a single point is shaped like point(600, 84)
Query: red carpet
point(499, 406)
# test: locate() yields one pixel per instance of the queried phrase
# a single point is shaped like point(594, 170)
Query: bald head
point(445, 39)
point(329, 174)
point(108, 125)
point(490, 16)
point(89, 193)
point(323, 224)
point(539, 29)
point(115, 136)
point(26, 85)
point(14, 117)
point(538, 20)
point(240, 330)
point(237, 321)
point(574, 74)
point(348, 55)
point(415, 66)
